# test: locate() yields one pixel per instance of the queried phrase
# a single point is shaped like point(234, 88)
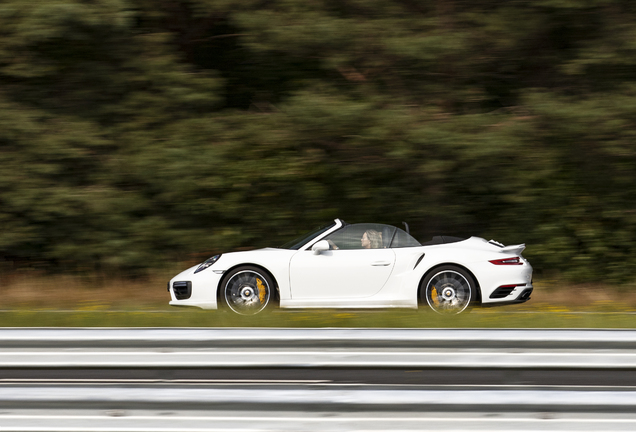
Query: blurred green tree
point(136, 132)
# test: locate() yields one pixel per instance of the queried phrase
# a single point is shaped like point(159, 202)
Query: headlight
point(207, 263)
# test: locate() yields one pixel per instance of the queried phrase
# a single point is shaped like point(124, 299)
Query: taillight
point(507, 261)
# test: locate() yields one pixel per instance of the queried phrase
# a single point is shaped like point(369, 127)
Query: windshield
point(302, 240)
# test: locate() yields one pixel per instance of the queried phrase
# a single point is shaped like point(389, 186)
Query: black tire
point(247, 290)
point(448, 290)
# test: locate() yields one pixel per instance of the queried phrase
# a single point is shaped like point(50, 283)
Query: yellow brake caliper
point(434, 296)
point(261, 290)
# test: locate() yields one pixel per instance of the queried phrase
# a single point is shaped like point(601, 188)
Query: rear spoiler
point(514, 249)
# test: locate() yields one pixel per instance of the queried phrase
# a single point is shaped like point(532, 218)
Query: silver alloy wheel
point(448, 292)
point(247, 292)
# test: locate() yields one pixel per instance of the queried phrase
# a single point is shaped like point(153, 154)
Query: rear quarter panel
point(473, 254)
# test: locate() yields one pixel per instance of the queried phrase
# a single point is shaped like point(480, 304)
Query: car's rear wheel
point(247, 290)
point(448, 290)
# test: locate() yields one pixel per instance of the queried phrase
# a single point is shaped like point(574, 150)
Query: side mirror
point(320, 247)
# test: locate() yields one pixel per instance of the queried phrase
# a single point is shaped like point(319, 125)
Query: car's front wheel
point(246, 290)
point(448, 290)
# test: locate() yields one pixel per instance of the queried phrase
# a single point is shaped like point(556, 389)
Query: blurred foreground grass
point(66, 301)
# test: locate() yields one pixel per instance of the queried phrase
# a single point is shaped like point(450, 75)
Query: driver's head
point(371, 239)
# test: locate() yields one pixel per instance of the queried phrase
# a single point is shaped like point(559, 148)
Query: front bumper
point(198, 290)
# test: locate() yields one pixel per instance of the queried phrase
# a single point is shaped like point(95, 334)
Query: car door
point(340, 273)
point(348, 270)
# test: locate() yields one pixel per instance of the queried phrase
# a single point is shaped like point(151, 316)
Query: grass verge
point(67, 301)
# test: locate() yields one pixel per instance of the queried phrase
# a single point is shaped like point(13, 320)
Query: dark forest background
point(134, 133)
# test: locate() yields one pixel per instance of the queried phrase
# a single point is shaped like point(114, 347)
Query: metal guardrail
point(318, 348)
point(317, 338)
point(25, 348)
point(332, 358)
point(312, 399)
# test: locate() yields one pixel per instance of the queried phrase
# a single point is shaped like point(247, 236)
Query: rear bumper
point(523, 297)
point(504, 284)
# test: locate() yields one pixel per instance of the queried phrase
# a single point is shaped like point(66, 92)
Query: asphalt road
point(325, 376)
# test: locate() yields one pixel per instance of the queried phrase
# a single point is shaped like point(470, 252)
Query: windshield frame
point(309, 237)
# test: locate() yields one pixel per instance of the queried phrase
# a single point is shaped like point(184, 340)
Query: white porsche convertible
point(359, 266)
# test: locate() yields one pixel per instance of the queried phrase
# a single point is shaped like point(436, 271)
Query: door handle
point(381, 263)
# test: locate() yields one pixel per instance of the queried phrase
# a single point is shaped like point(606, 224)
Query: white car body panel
point(361, 278)
point(340, 274)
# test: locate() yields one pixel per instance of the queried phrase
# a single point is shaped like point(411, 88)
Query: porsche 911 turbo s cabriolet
point(363, 265)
